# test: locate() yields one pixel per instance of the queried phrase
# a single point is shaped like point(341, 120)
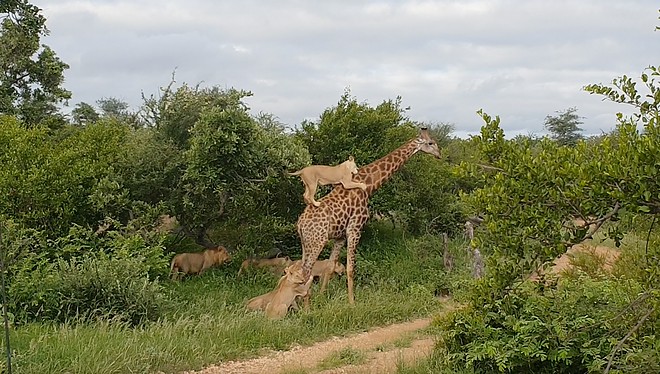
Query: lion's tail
point(247, 262)
point(296, 172)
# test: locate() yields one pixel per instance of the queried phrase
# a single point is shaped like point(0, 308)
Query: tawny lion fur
point(325, 270)
point(321, 175)
point(276, 303)
point(197, 263)
point(278, 264)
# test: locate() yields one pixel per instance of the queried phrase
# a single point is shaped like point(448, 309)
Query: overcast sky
point(519, 59)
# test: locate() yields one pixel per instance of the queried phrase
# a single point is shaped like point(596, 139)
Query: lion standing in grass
point(315, 175)
point(277, 264)
point(197, 263)
point(325, 270)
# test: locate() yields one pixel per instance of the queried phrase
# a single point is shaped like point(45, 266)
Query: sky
point(521, 60)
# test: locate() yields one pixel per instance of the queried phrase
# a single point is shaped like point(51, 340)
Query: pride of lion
point(338, 217)
point(276, 303)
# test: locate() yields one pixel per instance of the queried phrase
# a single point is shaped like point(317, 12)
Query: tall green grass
point(206, 323)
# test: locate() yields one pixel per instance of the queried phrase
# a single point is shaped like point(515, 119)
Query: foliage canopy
point(31, 83)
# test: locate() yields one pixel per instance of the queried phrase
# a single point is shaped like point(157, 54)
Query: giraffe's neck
point(377, 172)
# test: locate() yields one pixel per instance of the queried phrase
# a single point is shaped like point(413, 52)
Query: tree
point(117, 109)
point(84, 114)
point(66, 179)
point(112, 107)
point(565, 127)
point(232, 166)
point(175, 111)
point(529, 196)
point(31, 83)
point(421, 193)
point(356, 129)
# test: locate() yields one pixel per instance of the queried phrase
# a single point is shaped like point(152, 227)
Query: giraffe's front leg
point(350, 263)
point(353, 237)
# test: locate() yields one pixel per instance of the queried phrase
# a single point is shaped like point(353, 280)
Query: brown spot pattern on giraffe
point(342, 213)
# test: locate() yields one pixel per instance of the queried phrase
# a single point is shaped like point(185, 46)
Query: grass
point(404, 341)
point(296, 371)
point(432, 365)
point(343, 357)
point(207, 323)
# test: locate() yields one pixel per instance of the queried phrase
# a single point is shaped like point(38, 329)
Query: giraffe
point(343, 212)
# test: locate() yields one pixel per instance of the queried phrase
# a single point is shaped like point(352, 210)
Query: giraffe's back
point(329, 221)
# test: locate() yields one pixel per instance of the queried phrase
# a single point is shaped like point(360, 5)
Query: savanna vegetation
point(87, 201)
point(528, 191)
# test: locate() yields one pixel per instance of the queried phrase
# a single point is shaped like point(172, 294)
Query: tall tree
point(113, 107)
point(31, 83)
point(356, 129)
point(565, 127)
point(84, 114)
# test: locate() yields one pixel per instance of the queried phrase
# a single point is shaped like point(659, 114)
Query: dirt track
point(377, 345)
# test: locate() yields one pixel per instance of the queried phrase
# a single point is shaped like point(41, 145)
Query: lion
point(197, 263)
point(278, 264)
point(315, 175)
point(325, 270)
point(276, 303)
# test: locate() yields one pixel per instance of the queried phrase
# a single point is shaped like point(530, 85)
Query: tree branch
point(488, 167)
point(599, 222)
point(620, 344)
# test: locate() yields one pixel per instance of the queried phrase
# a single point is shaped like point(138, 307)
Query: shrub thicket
point(83, 276)
point(94, 286)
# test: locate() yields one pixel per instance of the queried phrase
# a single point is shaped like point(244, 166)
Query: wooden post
point(477, 264)
point(477, 260)
point(447, 260)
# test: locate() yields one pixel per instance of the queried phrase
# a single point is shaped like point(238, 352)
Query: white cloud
point(518, 59)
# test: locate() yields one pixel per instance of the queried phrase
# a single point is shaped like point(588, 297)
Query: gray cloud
point(521, 60)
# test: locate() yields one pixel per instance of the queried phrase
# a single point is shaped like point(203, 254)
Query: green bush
point(86, 288)
point(86, 274)
point(388, 262)
point(144, 247)
point(572, 328)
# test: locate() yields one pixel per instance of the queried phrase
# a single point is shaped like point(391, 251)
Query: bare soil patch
point(610, 255)
point(565, 261)
point(378, 345)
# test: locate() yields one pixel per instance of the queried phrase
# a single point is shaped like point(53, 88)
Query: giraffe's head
point(426, 144)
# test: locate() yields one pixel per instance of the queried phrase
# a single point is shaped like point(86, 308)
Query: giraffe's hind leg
point(313, 239)
point(352, 239)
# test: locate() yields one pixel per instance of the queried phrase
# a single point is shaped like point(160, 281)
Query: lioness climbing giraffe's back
point(342, 212)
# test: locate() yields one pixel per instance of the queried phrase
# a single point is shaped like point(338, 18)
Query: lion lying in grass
point(315, 175)
point(276, 303)
point(277, 264)
point(197, 263)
